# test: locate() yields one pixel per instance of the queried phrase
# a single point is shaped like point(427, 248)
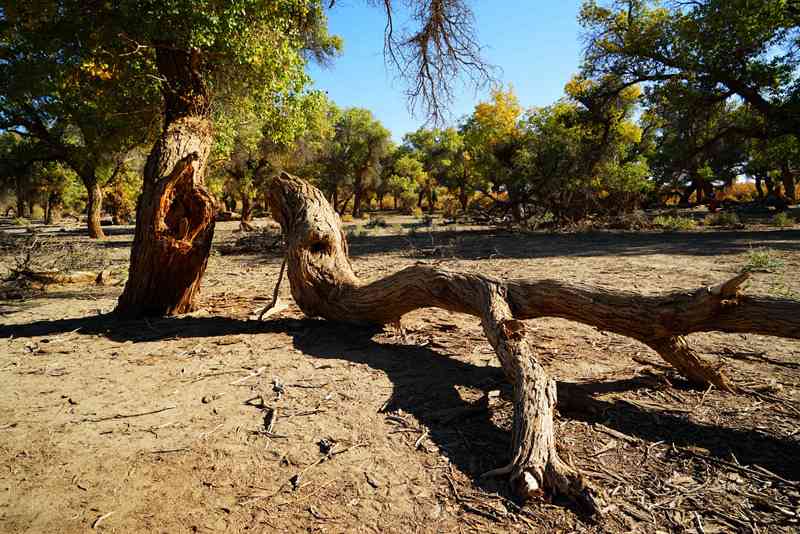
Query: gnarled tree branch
point(323, 284)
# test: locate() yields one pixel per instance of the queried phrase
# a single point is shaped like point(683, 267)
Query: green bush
point(723, 218)
point(674, 223)
point(782, 220)
point(761, 260)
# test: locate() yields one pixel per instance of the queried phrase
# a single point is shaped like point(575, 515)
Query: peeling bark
point(323, 284)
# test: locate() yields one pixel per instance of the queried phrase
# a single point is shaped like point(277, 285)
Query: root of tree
point(323, 284)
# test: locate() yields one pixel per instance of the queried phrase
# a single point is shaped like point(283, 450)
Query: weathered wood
point(323, 284)
point(174, 225)
point(46, 278)
point(175, 212)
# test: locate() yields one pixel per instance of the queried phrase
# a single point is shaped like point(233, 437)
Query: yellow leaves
point(498, 118)
point(630, 132)
point(97, 70)
point(578, 87)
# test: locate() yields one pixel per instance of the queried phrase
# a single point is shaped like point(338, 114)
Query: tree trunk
point(94, 205)
point(20, 194)
point(175, 212)
point(686, 197)
point(358, 191)
point(787, 177)
point(48, 218)
point(708, 190)
point(323, 284)
point(247, 208)
point(759, 189)
point(52, 212)
point(463, 198)
point(431, 201)
point(770, 183)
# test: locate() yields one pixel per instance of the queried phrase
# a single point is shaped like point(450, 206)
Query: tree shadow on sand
point(426, 385)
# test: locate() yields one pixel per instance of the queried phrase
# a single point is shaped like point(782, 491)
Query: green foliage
point(782, 220)
point(722, 218)
point(762, 260)
point(72, 90)
point(674, 223)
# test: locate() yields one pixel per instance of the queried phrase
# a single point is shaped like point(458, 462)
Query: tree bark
point(323, 284)
point(94, 206)
point(175, 212)
point(52, 212)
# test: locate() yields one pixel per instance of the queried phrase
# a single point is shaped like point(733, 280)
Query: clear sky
point(536, 44)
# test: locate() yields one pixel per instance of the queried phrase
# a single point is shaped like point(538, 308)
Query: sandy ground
point(213, 422)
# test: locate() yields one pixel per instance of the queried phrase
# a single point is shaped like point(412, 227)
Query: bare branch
point(442, 49)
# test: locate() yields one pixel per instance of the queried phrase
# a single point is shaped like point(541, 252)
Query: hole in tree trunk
point(185, 217)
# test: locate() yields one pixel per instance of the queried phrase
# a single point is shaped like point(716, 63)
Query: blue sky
point(536, 44)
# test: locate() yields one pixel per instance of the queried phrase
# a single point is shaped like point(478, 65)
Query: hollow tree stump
point(323, 284)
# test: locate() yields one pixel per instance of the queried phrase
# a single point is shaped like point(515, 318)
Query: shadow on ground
point(485, 244)
point(425, 385)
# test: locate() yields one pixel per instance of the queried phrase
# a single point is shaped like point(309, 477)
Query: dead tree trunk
point(323, 284)
point(175, 212)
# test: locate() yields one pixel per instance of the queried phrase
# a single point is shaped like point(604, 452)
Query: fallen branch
point(127, 416)
point(324, 285)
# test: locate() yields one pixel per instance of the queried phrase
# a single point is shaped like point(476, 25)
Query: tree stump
point(323, 284)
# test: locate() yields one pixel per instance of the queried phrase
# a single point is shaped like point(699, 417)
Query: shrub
point(739, 192)
point(723, 218)
point(408, 201)
point(782, 220)
point(376, 221)
point(674, 223)
point(629, 221)
point(347, 217)
point(450, 208)
point(416, 212)
point(761, 260)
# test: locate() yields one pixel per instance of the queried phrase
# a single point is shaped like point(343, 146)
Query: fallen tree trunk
point(46, 278)
point(323, 284)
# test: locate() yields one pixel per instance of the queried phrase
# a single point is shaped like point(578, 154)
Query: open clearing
point(215, 422)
